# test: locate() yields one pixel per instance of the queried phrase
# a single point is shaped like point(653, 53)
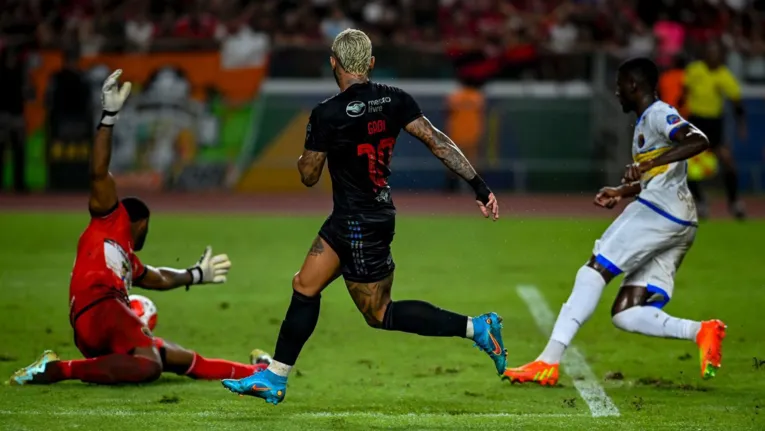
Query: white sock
point(553, 352)
point(588, 286)
point(279, 369)
point(655, 322)
point(469, 332)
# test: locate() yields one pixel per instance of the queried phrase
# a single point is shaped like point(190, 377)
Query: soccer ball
point(258, 356)
point(145, 309)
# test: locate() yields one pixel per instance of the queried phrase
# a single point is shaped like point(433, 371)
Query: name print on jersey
point(377, 126)
point(356, 109)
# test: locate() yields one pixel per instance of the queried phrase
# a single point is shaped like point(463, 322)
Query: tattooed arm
point(442, 147)
point(447, 151)
point(317, 138)
point(310, 165)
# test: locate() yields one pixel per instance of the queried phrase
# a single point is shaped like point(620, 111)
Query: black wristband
point(196, 276)
point(105, 114)
point(482, 191)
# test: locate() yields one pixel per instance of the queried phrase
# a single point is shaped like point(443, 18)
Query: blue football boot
point(487, 334)
point(264, 384)
point(27, 374)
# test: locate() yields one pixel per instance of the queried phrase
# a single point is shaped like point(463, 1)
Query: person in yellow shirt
point(465, 123)
point(708, 83)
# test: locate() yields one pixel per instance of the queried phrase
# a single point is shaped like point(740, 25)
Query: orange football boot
point(536, 372)
point(709, 339)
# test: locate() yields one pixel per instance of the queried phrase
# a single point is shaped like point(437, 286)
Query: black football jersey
point(357, 129)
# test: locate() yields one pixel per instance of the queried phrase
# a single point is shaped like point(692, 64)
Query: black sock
point(731, 186)
point(297, 327)
point(422, 318)
point(695, 188)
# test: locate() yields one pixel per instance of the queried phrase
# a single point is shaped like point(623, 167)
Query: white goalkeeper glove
point(112, 98)
point(209, 268)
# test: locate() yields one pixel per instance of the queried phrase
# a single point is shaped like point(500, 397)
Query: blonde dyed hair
point(353, 49)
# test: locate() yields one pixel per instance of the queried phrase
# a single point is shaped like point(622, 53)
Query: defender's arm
point(629, 190)
point(310, 165)
point(608, 197)
point(690, 142)
point(103, 190)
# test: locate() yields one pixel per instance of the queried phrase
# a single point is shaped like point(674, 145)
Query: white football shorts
point(648, 245)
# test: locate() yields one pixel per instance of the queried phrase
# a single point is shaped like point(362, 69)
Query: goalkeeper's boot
point(258, 356)
point(27, 374)
point(709, 339)
point(536, 372)
point(487, 334)
point(263, 384)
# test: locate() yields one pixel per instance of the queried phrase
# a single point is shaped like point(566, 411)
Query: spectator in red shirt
point(196, 25)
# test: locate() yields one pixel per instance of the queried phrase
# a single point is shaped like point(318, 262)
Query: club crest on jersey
point(673, 119)
point(356, 109)
point(641, 140)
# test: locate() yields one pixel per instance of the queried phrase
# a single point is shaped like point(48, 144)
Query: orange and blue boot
point(535, 372)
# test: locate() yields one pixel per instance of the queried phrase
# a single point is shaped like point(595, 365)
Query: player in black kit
point(355, 132)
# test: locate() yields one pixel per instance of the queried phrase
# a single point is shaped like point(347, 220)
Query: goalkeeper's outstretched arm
point(103, 190)
point(209, 269)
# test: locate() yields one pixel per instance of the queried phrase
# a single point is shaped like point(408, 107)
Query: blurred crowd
point(515, 32)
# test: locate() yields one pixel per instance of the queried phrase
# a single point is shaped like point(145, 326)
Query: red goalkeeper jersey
point(106, 265)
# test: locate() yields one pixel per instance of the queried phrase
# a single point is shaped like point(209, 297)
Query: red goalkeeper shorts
point(108, 325)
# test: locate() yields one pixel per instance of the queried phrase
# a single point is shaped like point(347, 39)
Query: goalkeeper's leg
point(181, 361)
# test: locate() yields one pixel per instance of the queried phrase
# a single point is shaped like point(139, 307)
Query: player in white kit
point(647, 242)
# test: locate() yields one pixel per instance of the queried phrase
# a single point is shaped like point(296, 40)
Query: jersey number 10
point(378, 158)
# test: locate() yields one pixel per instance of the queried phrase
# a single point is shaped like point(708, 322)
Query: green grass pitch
point(353, 377)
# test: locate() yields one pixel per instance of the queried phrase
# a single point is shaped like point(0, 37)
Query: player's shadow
point(172, 379)
point(165, 380)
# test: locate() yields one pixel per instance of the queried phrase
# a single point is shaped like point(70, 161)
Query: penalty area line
point(590, 390)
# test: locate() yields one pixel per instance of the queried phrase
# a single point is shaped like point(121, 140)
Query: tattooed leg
point(317, 247)
point(372, 299)
point(320, 268)
point(415, 317)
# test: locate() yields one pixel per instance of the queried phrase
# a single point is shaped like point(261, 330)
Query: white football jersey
point(664, 187)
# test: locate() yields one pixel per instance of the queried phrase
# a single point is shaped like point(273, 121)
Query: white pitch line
point(313, 415)
point(576, 366)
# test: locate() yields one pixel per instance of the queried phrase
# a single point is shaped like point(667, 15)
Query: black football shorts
point(363, 245)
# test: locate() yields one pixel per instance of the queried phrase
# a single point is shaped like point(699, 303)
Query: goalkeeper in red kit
point(117, 346)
